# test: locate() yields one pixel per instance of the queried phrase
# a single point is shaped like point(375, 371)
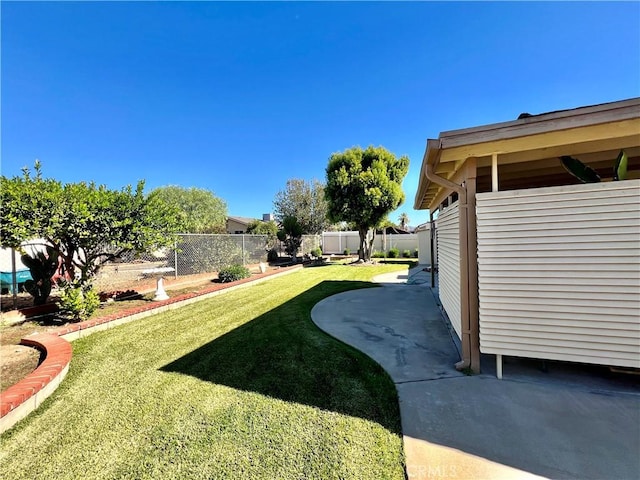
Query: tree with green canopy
point(363, 187)
point(85, 224)
point(270, 229)
point(291, 234)
point(258, 227)
point(201, 210)
point(306, 202)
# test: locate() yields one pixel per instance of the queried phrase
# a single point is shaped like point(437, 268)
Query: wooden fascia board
point(529, 139)
point(585, 151)
point(574, 136)
point(538, 124)
point(430, 154)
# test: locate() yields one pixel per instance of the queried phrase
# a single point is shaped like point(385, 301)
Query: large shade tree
point(305, 201)
point(363, 187)
point(85, 224)
point(201, 210)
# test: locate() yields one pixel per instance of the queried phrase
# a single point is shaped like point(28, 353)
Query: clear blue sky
point(239, 97)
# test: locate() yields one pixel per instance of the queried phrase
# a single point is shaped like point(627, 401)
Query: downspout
point(467, 341)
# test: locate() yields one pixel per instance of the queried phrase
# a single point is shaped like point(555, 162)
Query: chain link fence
point(192, 254)
point(310, 243)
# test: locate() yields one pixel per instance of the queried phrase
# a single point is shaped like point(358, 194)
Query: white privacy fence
point(338, 242)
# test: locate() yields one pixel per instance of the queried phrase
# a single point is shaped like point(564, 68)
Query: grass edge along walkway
point(239, 386)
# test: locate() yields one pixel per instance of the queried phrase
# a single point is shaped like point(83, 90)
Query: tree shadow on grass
point(282, 354)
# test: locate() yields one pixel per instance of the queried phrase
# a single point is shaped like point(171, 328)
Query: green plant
point(272, 255)
point(415, 253)
point(377, 254)
point(78, 302)
point(347, 251)
point(233, 273)
point(586, 174)
point(406, 253)
point(316, 252)
point(393, 253)
point(363, 187)
point(42, 267)
point(291, 235)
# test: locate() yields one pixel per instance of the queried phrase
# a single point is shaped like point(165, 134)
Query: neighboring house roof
point(243, 220)
point(527, 149)
point(390, 230)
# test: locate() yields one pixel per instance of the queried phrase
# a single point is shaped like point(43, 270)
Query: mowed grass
point(240, 386)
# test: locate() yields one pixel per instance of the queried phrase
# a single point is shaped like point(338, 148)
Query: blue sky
point(239, 97)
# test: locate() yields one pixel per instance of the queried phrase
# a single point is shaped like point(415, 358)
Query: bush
point(415, 253)
point(78, 303)
point(272, 255)
point(347, 251)
point(377, 254)
point(316, 252)
point(393, 253)
point(233, 273)
point(406, 253)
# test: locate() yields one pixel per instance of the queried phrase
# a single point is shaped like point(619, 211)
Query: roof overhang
point(594, 131)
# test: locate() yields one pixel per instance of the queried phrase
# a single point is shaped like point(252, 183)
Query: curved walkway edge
point(532, 424)
point(401, 328)
point(19, 400)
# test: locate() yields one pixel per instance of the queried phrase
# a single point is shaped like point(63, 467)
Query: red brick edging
point(17, 401)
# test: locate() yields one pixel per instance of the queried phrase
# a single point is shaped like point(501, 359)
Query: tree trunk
point(365, 244)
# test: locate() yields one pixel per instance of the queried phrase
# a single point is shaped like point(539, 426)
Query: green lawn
point(241, 386)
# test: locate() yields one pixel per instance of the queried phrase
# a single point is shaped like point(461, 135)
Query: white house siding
point(447, 232)
point(559, 273)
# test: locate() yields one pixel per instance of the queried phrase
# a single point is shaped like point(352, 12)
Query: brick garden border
point(19, 400)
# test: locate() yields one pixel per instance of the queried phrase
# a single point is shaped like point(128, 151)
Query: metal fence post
point(175, 253)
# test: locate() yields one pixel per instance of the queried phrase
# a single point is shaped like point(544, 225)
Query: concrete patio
point(553, 420)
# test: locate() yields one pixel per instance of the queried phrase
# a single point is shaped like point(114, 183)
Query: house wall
point(448, 254)
point(559, 273)
point(234, 227)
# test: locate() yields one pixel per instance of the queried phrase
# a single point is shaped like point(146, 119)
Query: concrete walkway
point(565, 423)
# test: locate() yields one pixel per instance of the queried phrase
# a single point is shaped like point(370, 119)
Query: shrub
point(272, 255)
point(393, 253)
point(347, 251)
point(233, 273)
point(77, 302)
point(316, 252)
point(377, 254)
point(406, 253)
point(415, 253)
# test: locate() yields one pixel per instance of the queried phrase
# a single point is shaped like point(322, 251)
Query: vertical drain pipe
point(432, 236)
point(494, 188)
point(467, 360)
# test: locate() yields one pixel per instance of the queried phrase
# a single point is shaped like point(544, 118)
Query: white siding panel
point(559, 273)
point(448, 251)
